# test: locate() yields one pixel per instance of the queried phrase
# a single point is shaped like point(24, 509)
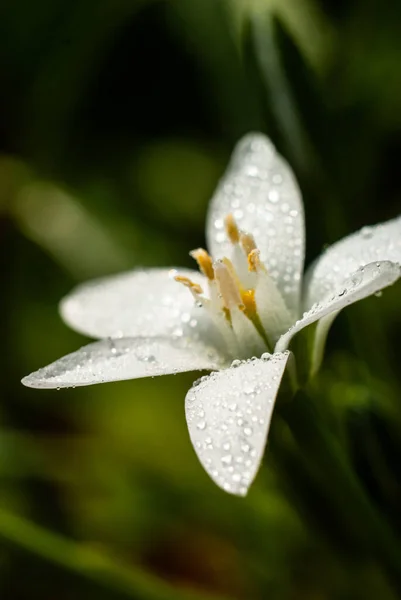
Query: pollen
point(204, 261)
point(254, 262)
point(247, 242)
point(250, 310)
point(249, 303)
point(232, 229)
point(193, 287)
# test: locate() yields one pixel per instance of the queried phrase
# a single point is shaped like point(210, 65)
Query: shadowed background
point(116, 120)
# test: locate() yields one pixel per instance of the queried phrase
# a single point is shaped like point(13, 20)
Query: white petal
point(364, 282)
point(126, 358)
point(272, 309)
point(228, 415)
point(135, 303)
point(261, 192)
point(370, 244)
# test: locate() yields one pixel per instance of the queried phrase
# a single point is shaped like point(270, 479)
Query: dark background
point(117, 118)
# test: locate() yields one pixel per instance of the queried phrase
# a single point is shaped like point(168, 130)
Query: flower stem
point(327, 462)
point(101, 570)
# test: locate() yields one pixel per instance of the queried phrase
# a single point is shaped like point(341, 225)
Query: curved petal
point(261, 192)
point(379, 243)
point(135, 303)
point(126, 358)
point(228, 415)
point(364, 282)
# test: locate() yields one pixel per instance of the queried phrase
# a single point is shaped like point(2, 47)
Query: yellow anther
point(231, 229)
point(254, 262)
point(247, 242)
point(249, 303)
point(193, 287)
point(204, 261)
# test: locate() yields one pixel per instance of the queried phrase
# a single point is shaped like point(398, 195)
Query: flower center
point(242, 299)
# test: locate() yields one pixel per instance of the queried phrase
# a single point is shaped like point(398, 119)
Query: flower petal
point(228, 415)
point(261, 192)
point(327, 274)
point(135, 303)
point(364, 282)
point(126, 358)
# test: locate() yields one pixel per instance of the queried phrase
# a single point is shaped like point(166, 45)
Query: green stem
point(321, 331)
point(328, 463)
point(92, 565)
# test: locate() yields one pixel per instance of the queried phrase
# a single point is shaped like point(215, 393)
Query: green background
point(117, 118)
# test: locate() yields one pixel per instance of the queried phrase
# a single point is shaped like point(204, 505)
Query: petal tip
point(30, 381)
point(36, 381)
point(253, 142)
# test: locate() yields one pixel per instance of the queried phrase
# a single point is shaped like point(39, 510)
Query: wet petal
point(260, 191)
point(378, 243)
point(364, 282)
point(126, 358)
point(135, 303)
point(228, 415)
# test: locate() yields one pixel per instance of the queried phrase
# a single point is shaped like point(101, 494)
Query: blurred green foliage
point(116, 120)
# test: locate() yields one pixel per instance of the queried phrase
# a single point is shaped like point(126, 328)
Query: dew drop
point(367, 232)
point(273, 196)
point(249, 389)
point(252, 171)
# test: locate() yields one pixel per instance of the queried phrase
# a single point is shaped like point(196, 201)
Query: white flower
point(249, 300)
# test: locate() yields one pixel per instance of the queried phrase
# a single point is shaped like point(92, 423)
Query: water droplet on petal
point(273, 196)
point(367, 232)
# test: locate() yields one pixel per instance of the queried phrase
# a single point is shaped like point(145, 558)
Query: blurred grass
point(116, 120)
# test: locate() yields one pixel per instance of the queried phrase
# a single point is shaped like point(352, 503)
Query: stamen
point(227, 262)
point(232, 229)
point(195, 288)
point(247, 242)
point(249, 303)
point(227, 285)
point(254, 262)
point(204, 261)
point(249, 308)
